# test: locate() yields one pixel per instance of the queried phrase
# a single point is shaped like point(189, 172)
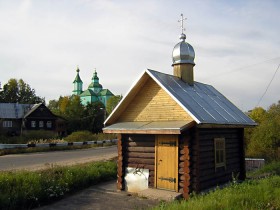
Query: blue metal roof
point(14, 110)
point(203, 102)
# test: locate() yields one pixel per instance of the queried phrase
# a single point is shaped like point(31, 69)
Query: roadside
point(102, 196)
point(43, 160)
point(7, 149)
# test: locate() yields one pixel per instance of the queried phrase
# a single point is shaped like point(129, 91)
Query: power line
point(268, 85)
point(241, 68)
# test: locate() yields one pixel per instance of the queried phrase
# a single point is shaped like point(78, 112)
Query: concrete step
point(158, 194)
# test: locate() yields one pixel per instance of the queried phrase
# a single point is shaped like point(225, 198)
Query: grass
point(251, 194)
point(25, 189)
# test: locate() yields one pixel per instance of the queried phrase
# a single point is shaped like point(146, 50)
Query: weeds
point(251, 194)
point(24, 190)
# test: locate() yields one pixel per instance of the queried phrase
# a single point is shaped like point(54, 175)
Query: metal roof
point(167, 127)
point(14, 110)
point(203, 102)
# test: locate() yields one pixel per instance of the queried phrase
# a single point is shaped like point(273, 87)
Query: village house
point(175, 133)
point(16, 119)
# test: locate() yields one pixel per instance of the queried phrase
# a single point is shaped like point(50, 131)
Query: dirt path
point(100, 197)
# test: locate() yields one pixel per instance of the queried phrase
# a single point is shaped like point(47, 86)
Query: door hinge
point(170, 179)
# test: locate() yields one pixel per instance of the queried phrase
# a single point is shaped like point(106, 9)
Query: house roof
point(14, 110)
point(88, 92)
point(105, 92)
point(202, 102)
point(35, 107)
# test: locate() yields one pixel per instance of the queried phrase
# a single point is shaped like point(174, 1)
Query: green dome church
point(94, 93)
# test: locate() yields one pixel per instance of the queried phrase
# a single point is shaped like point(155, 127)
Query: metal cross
point(182, 23)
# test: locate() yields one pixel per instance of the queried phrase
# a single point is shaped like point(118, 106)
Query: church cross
point(182, 23)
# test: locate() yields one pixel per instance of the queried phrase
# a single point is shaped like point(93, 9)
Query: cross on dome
point(182, 23)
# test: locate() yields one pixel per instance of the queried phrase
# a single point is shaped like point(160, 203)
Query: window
point(220, 154)
point(33, 124)
point(49, 124)
point(7, 124)
point(41, 124)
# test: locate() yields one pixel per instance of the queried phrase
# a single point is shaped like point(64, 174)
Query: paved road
point(35, 161)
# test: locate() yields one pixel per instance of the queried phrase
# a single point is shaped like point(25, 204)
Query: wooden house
point(17, 118)
point(182, 135)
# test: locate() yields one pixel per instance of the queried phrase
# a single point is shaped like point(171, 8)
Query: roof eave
point(216, 125)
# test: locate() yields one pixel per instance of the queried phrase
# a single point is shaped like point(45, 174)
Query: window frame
point(220, 152)
point(49, 124)
point(7, 124)
point(41, 124)
point(33, 124)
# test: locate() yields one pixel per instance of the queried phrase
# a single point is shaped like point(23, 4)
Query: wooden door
point(167, 162)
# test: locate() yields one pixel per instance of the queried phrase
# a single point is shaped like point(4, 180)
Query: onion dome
point(78, 78)
point(183, 52)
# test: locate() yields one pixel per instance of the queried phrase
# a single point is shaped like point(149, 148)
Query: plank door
point(167, 162)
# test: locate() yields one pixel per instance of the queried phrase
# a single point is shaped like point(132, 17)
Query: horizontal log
point(142, 144)
point(213, 131)
point(213, 183)
point(184, 164)
point(184, 177)
point(183, 158)
point(146, 166)
point(140, 138)
point(184, 170)
point(141, 161)
point(141, 149)
point(141, 155)
point(184, 150)
point(184, 183)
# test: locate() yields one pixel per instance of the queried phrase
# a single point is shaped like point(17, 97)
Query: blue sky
point(237, 44)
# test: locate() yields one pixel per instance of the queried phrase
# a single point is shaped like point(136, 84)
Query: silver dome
point(183, 52)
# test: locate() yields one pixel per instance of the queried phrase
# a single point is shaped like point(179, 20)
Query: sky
point(237, 44)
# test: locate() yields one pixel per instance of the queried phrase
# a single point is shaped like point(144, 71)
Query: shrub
point(81, 136)
point(28, 137)
point(39, 134)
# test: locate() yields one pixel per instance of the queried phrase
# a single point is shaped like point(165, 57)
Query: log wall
point(120, 172)
point(184, 165)
point(203, 172)
point(139, 152)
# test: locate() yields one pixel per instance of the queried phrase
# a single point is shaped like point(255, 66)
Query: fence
point(12, 146)
point(254, 163)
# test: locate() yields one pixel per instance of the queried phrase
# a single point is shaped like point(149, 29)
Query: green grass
point(272, 168)
point(251, 194)
point(25, 190)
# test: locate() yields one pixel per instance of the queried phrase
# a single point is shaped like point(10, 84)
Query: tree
point(93, 117)
point(112, 103)
point(17, 91)
point(264, 140)
point(258, 114)
point(79, 117)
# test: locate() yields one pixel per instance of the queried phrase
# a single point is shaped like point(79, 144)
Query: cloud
point(43, 42)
